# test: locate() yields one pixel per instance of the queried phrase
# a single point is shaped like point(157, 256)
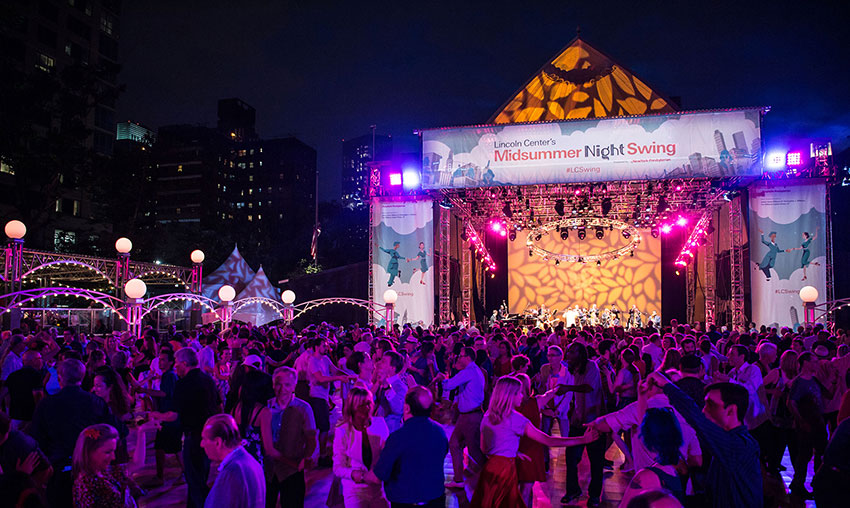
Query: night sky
point(323, 71)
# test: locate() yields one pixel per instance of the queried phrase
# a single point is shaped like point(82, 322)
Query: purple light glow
point(794, 158)
point(682, 221)
point(666, 228)
point(395, 179)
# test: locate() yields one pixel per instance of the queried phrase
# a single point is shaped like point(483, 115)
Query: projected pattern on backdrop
point(624, 282)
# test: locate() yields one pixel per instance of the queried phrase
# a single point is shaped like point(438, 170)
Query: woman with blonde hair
point(501, 430)
point(358, 441)
point(97, 482)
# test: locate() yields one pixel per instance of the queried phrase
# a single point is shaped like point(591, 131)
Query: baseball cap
point(253, 361)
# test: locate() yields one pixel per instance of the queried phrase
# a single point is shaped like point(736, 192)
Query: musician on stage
point(593, 315)
point(615, 316)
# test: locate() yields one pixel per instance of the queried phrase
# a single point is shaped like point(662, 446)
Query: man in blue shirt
point(734, 476)
point(391, 391)
point(411, 463)
point(467, 431)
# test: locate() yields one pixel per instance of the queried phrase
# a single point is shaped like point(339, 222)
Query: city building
point(357, 154)
point(44, 43)
point(134, 131)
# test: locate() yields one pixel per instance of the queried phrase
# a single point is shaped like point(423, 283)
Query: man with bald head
point(25, 389)
point(411, 463)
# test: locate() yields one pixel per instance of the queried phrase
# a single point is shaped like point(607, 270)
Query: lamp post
point(12, 270)
point(122, 267)
point(809, 295)
point(288, 297)
point(197, 258)
point(226, 294)
point(135, 290)
point(390, 297)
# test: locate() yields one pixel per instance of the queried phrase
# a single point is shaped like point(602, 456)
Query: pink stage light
point(395, 179)
point(794, 158)
point(666, 228)
point(678, 188)
point(682, 221)
point(496, 226)
point(503, 233)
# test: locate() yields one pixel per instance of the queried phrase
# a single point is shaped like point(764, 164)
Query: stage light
point(512, 235)
point(626, 234)
point(503, 233)
point(600, 233)
point(565, 233)
point(582, 234)
point(774, 160)
point(682, 221)
point(559, 207)
point(410, 178)
point(654, 232)
point(794, 158)
point(606, 206)
point(666, 228)
point(395, 179)
point(496, 226)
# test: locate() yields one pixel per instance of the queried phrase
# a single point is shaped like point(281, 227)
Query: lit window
point(45, 63)
point(261, 149)
point(250, 218)
point(250, 164)
point(259, 217)
point(58, 205)
point(250, 178)
point(76, 211)
point(180, 168)
point(261, 163)
point(106, 24)
point(250, 191)
point(177, 211)
point(251, 151)
point(250, 205)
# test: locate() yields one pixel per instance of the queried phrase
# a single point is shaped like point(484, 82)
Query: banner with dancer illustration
point(403, 257)
point(787, 248)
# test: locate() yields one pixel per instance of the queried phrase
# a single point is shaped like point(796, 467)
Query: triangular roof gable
point(260, 286)
point(234, 271)
point(581, 82)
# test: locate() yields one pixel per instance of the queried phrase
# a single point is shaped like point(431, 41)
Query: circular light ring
point(586, 222)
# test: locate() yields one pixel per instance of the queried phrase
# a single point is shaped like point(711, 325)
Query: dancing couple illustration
point(769, 259)
point(393, 266)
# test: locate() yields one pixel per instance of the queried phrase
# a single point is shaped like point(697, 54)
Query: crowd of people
point(702, 417)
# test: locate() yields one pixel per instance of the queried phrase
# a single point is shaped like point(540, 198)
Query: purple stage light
point(503, 232)
point(682, 221)
point(395, 179)
point(666, 228)
point(794, 158)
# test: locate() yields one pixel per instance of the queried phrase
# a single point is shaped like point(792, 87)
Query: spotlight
point(682, 221)
point(607, 204)
point(666, 228)
point(654, 232)
point(775, 160)
point(565, 233)
point(600, 233)
point(794, 159)
point(512, 235)
point(626, 234)
point(582, 234)
point(395, 179)
point(559, 207)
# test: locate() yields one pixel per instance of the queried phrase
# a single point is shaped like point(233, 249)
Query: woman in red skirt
point(501, 429)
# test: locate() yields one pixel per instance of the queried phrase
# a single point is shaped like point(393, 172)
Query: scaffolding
point(710, 289)
point(736, 262)
point(444, 266)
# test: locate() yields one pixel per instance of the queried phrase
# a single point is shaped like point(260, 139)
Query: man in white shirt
point(653, 349)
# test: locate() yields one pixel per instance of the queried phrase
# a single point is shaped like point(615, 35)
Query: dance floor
point(546, 495)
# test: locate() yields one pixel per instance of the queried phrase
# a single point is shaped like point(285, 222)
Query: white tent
point(258, 313)
point(234, 271)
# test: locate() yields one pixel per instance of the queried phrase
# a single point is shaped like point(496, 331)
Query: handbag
point(335, 499)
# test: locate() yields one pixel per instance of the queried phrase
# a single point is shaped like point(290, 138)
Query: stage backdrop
point(787, 249)
point(403, 257)
point(623, 282)
point(680, 145)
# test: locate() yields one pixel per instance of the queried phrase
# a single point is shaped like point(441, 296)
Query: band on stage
point(578, 316)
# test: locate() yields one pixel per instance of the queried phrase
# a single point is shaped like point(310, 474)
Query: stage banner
point(403, 257)
point(710, 144)
point(787, 249)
